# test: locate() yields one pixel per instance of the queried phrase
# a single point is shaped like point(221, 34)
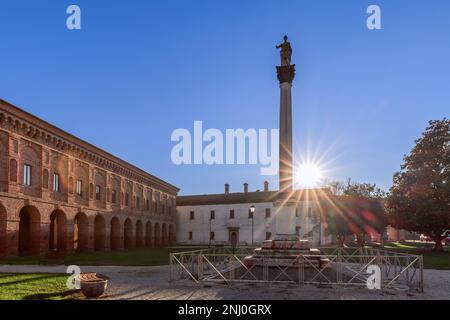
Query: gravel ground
point(153, 283)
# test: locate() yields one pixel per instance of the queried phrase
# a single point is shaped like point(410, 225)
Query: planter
point(92, 286)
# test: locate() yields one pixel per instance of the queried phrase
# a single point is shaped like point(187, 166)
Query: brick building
point(60, 193)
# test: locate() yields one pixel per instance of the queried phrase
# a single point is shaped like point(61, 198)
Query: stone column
point(285, 75)
point(285, 204)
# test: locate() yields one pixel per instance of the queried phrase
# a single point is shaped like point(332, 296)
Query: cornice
point(25, 124)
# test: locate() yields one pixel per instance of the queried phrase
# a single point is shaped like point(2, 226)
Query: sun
point(309, 175)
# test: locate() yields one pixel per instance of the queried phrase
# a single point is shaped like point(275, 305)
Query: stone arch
point(3, 218)
point(29, 231)
point(139, 234)
point(164, 234)
point(58, 231)
point(115, 234)
point(81, 232)
point(128, 234)
point(171, 234)
point(148, 234)
point(157, 236)
point(99, 233)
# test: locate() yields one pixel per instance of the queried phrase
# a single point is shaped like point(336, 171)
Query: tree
point(349, 188)
point(357, 209)
point(419, 199)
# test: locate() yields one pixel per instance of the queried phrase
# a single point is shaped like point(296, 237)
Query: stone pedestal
point(285, 222)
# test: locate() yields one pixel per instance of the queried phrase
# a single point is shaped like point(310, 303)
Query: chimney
point(227, 188)
point(245, 187)
point(266, 186)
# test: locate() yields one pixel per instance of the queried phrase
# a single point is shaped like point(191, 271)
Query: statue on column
point(285, 52)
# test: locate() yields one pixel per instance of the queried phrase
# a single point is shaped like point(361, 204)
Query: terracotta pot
point(93, 288)
point(93, 285)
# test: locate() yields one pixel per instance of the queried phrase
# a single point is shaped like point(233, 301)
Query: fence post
point(421, 273)
point(200, 267)
point(171, 268)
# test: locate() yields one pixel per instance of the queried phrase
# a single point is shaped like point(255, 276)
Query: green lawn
point(135, 257)
point(35, 287)
point(160, 256)
point(431, 259)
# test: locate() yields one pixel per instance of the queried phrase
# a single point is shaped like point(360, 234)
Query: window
point(268, 235)
point(231, 214)
point(250, 214)
point(309, 212)
point(79, 187)
point(98, 190)
point(190, 235)
point(211, 236)
point(192, 215)
point(114, 196)
point(138, 202)
point(127, 200)
point(267, 213)
point(56, 182)
point(147, 205)
point(213, 215)
point(296, 212)
point(27, 175)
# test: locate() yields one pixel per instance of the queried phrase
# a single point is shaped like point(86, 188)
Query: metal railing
point(342, 267)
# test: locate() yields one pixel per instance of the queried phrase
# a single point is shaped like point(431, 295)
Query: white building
point(214, 219)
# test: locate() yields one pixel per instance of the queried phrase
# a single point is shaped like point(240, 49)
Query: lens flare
point(309, 175)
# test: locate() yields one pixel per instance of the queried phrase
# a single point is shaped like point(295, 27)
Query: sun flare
point(309, 175)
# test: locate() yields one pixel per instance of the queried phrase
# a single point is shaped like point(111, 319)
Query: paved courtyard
point(153, 283)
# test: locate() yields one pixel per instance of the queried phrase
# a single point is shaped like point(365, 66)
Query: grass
point(160, 256)
point(135, 257)
point(431, 259)
point(35, 287)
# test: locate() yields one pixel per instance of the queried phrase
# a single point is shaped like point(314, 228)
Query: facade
point(217, 219)
point(59, 193)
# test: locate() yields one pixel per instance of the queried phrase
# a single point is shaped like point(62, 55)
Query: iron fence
point(333, 267)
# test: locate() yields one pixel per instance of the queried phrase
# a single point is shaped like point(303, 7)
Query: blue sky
point(140, 69)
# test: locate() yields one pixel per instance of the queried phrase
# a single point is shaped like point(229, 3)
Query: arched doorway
point(80, 232)
point(115, 234)
point(157, 239)
point(139, 234)
point(29, 231)
point(58, 231)
point(128, 234)
point(148, 235)
point(171, 235)
point(164, 235)
point(99, 233)
point(3, 246)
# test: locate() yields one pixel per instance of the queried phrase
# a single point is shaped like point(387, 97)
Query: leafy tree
point(357, 209)
point(419, 199)
point(349, 188)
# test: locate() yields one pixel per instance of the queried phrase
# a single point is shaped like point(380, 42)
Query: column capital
point(286, 73)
